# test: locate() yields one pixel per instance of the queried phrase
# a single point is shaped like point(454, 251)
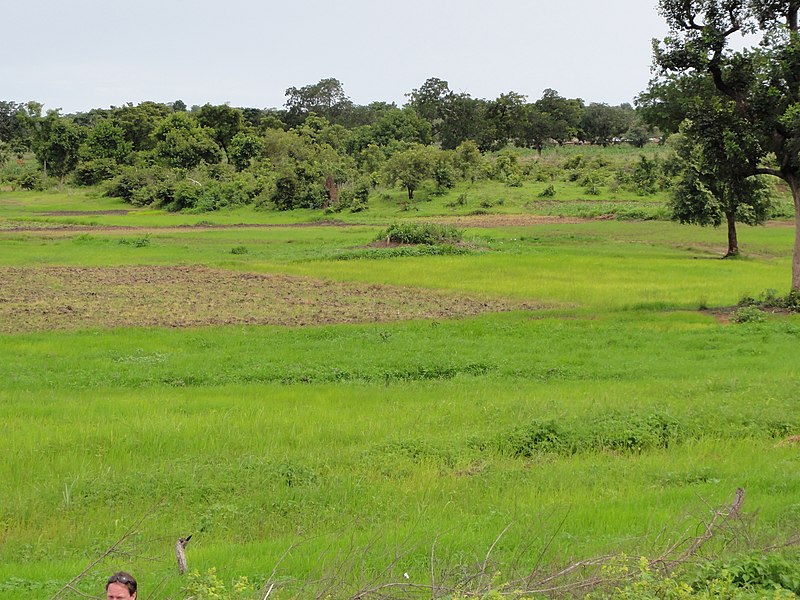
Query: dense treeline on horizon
point(321, 148)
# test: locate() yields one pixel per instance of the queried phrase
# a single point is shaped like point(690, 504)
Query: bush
point(31, 180)
point(548, 192)
point(96, 171)
point(749, 314)
point(421, 233)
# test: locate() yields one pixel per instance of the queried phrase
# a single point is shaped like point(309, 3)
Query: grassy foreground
point(611, 417)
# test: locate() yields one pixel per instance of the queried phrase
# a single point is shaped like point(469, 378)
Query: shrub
point(421, 233)
point(96, 171)
point(31, 180)
point(548, 192)
point(748, 314)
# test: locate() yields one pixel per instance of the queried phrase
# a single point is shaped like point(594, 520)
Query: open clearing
point(68, 298)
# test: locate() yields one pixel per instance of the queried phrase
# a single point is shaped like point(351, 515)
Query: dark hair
point(125, 579)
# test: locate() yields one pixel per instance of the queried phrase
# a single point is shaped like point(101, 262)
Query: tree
point(463, 118)
point(325, 98)
point(225, 122)
point(410, 167)
point(139, 122)
point(564, 115)
point(762, 82)
point(182, 143)
point(429, 98)
point(107, 140)
point(10, 126)
point(602, 124)
point(57, 149)
point(504, 117)
point(244, 147)
point(708, 193)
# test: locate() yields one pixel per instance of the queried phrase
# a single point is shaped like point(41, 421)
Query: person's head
point(121, 586)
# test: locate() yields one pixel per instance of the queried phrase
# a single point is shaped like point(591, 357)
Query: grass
point(610, 418)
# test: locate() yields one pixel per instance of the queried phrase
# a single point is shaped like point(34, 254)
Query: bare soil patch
point(510, 220)
point(70, 298)
point(81, 213)
point(56, 227)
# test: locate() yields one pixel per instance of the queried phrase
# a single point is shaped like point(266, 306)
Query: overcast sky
point(82, 54)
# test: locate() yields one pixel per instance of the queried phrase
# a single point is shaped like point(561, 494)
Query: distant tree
point(325, 98)
point(429, 102)
point(5, 154)
point(714, 186)
point(107, 140)
point(535, 128)
point(178, 106)
point(410, 167)
point(225, 122)
point(58, 145)
point(564, 115)
point(468, 159)
point(181, 142)
point(602, 124)
point(639, 133)
point(10, 126)
point(243, 148)
point(463, 118)
point(504, 117)
point(139, 122)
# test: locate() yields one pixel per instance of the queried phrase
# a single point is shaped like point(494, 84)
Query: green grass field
point(612, 415)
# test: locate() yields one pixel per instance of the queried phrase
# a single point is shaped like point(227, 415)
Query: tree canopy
point(761, 81)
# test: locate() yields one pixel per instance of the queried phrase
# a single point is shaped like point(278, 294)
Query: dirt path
point(69, 298)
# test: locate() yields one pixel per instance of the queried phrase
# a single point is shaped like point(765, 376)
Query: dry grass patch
point(69, 298)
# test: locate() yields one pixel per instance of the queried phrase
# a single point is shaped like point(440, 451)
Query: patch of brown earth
point(51, 227)
point(81, 213)
point(69, 298)
point(510, 220)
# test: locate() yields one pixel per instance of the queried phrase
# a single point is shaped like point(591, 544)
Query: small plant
point(137, 242)
point(548, 192)
point(749, 314)
point(460, 201)
point(239, 250)
point(421, 233)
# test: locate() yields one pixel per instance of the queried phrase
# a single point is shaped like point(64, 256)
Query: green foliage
point(182, 143)
point(421, 233)
point(96, 171)
point(209, 586)
point(748, 314)
point(410, 167)
point(645, 176)
point(548, 192)
point(766, 572)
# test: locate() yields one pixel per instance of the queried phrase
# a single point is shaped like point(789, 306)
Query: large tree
point(325, 98)
point(763, 81)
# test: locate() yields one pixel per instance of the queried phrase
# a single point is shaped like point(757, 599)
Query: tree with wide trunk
point(762, 81)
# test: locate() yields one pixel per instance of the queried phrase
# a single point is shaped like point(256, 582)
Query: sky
point(83, 54)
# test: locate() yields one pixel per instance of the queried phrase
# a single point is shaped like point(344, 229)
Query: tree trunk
point(410, 193)
point(794, 185)
point(733, 242)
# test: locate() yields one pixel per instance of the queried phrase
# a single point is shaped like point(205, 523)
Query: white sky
point(83, 54)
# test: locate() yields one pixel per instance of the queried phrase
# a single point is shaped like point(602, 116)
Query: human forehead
point(117, 591)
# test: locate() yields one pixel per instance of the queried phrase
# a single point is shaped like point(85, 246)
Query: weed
point(136, 242)
point(421, 233)
point(749, 314)
point(239, 250)
point(548, 192)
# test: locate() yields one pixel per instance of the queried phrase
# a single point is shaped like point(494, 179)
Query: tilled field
point(69, 298)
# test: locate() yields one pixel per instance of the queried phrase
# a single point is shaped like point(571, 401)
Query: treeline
point(321, 149)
